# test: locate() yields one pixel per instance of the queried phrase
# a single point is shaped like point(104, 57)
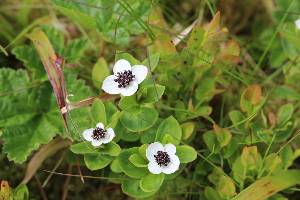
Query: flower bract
point(125, 79)
point(297, 23)
point(99, 135)
point(162, 158)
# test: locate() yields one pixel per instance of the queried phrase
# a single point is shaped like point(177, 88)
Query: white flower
point(125, 79)
point(162, 158)
point(297, 22)
point(99, 135)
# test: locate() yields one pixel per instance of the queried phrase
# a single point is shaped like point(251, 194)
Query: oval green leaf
point(186, 153)
point(169, 126)
point(152, 182)
point(96, 161)
point(138, 160)
point(141, 121)
point(152, 93)
point(132, 188)
point(129, 168)
point(98, 112)
point(129, 104)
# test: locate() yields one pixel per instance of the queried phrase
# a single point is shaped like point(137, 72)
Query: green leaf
point(205, 85)
point(249, 157)
point(211, 142)
point(27, 123)
point(5, 191)
point(272, 162)
point(167, 139)
point(223, 135)
point(96, 161)
point(127, 57)
point(214, 23)
point(196, 40)
point(232, 146)
point(186, 153)
point(98, 112)
point(152, 182)
point(110, 148)
point(104, 20)
point(119, 130)
point(129, 168)
point(269, 185)
point(166, 66)
point(151, 93)
point(286, 155)
point(132, 188)
point(226, 188)
point(130, 136)
point(237, 116)
point(141, 121)
point(287, 92)
point(210, 193)
point(31, 61)
point(169, 126)
point(110, 109)
point(164, 45)
point(75, 50)
point(153, 61)
point(295, 155)
point(252, 94)
point(129, 104)
point(99, 72)
point(148, 136)
point(114, 166)
point(112, 122)
point(82, 148)
point(80, 17)
point(142, 151)
point(138, 160)
point(187, 130)
point(284, 114)
point(21, 192)
point(238, 170)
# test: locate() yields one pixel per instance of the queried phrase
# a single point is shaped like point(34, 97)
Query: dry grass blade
point(45, 151)
point(103, 97)
point(52, 67)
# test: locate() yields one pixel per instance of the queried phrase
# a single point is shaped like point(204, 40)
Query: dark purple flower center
point(98, 133)
point(124, 78)
point(162, 158)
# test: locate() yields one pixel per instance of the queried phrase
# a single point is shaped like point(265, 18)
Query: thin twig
point(40, 187)
point(66, 184)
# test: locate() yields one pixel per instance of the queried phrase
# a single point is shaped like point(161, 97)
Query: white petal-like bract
point(121, 65)
point(152, 150)
point(130, 89)
point(172, 166)
point(126, 82)
point(140, 72)
point(297, 23)
point(109, 135)
point(154, 168)
point(87, 134)
point(170, 149)
point(100, 125)
point(110, 86)
point(165, 166)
